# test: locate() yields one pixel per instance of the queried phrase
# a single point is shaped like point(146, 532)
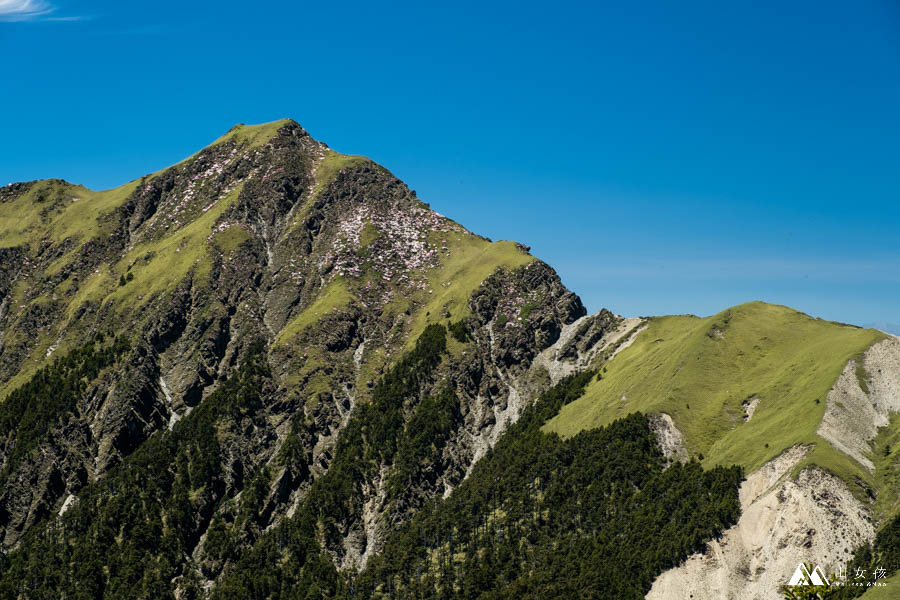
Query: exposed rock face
point(811, 518)
point(749, 407)
point(784, 522)
point(329, 262)
point(581, 342)
point(670, 440)
point(853, 416)
point(513, 305)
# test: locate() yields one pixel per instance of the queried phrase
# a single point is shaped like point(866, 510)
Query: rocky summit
point(271, 371)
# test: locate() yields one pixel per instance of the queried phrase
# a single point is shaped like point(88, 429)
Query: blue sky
point(664, 157)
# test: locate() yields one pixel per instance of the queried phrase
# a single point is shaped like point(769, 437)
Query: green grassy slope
point(171, 258)
point(886, 456)
point(469, 261)
point(80, 214)
point(332, 164)
point(253, 135)
point(889, 591)
point(466, 261)
point(335, 296)
point(56, 209)
point(700, 371)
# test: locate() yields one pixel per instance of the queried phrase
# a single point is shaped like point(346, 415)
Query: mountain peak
point(257, 135)
point(310, 222)
point(263, 246)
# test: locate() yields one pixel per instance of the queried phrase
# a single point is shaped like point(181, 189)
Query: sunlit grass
point(700, 371)
point(336, 295)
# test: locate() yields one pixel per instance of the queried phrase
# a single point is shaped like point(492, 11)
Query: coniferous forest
point(545, 518)
point(598, 515)
point(50, 395)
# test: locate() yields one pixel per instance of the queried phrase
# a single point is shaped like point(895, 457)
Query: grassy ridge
point(60, 209)
point(326, 172)
point(57, 209)
point(159, 265)
point(252, 135)
point(331, 166)
point(701, 371)
point(470, 261)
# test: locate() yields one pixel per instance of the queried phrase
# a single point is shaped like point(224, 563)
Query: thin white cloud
point(24, 10)
point(66, 19)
